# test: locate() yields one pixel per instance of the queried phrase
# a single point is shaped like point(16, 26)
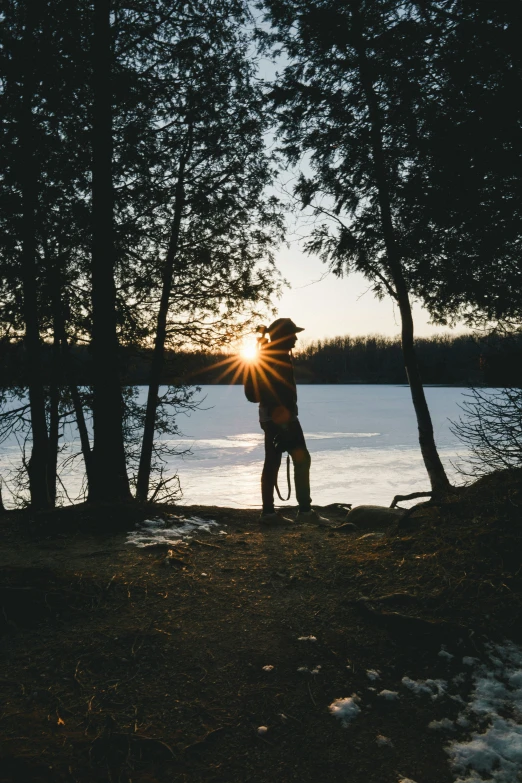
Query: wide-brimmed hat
point(283, 327)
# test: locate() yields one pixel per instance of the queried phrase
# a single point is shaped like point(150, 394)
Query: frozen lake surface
point(362, 438)
point(363, 441)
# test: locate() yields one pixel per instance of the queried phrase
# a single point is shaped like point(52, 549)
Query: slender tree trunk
point(158, 356)
point(82, 431)
point(37, 467)
point(437, 475)
point(63, 357)
point(56, 375)
point(109, 472)
point(79, 414)
point(3, 509)
point(54, 420)
point(78, 406)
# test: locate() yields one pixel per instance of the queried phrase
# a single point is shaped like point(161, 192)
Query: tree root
point(411, 496)
point(406, 625)
point(436, 499)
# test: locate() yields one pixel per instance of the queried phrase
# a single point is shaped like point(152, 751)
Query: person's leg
point(302, 461)
point(270, 468)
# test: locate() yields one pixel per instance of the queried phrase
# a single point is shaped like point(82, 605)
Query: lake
point(362, 438)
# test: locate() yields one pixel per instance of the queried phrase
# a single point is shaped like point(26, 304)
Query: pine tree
point(348, 101)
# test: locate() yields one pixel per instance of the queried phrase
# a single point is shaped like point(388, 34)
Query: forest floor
point(133, 665)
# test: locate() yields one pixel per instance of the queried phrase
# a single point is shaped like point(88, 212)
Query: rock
point(371, 517)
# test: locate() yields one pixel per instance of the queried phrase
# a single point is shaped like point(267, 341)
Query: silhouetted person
point(273, 377)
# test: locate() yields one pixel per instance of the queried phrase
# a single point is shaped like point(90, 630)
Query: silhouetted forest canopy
point(462, 360)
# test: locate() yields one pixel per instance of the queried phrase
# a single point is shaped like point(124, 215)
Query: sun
point(248, 350)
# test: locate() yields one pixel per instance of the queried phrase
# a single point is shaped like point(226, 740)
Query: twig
point(203, 739)
point(204, 543)
point(75, 675)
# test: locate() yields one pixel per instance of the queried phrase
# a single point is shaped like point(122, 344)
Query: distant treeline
point(461, 360)
point(458, 360)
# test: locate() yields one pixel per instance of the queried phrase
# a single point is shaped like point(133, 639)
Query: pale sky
point(330, 306)
point(327, 306)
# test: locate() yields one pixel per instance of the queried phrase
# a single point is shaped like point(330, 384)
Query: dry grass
point(117, 666)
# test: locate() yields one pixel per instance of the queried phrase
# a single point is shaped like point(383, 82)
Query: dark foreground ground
point(121, 664)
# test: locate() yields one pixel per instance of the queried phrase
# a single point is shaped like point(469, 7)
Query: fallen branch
point(101, 744)
point(204, 543)
point(398, 598)
point(402, 623)
point(411, 496)
point(202, 740)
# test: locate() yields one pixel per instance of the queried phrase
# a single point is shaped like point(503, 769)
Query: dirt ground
point(134, 665)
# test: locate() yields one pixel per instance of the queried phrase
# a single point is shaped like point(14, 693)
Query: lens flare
point(248, 350)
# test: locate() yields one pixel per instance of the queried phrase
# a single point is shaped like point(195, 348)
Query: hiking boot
point(274, 518)
point(313, 518)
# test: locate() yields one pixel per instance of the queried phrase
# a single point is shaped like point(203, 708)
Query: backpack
point(251, 386)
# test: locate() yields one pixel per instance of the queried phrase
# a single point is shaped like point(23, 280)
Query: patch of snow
point(388, 695)
point(457, 697)
point(316, 670)
point(153, 523)
point(303, 669)
point(345, 709)
point(268, 668)
point(468, 660)
point(497, 752)
point(176, 529)
point(382, 740)
point(434, 688)
point(445, 724)
point(443, 653)
point(493, 754)
point(262, 730)
point(373, 674)
point(406, 780)
point(307, 638)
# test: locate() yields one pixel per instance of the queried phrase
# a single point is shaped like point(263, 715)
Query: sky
point(327, 306)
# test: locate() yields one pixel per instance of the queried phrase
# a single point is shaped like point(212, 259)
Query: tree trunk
point(158, 356)
point(437, 475)
point(3, 509)
point(54, 420)
point(37, 467)
point(83, 432)
point(63, 354)
point(109, 472)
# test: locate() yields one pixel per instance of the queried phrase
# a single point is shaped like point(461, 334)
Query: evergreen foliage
point(123, 98)
point(350, 103)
